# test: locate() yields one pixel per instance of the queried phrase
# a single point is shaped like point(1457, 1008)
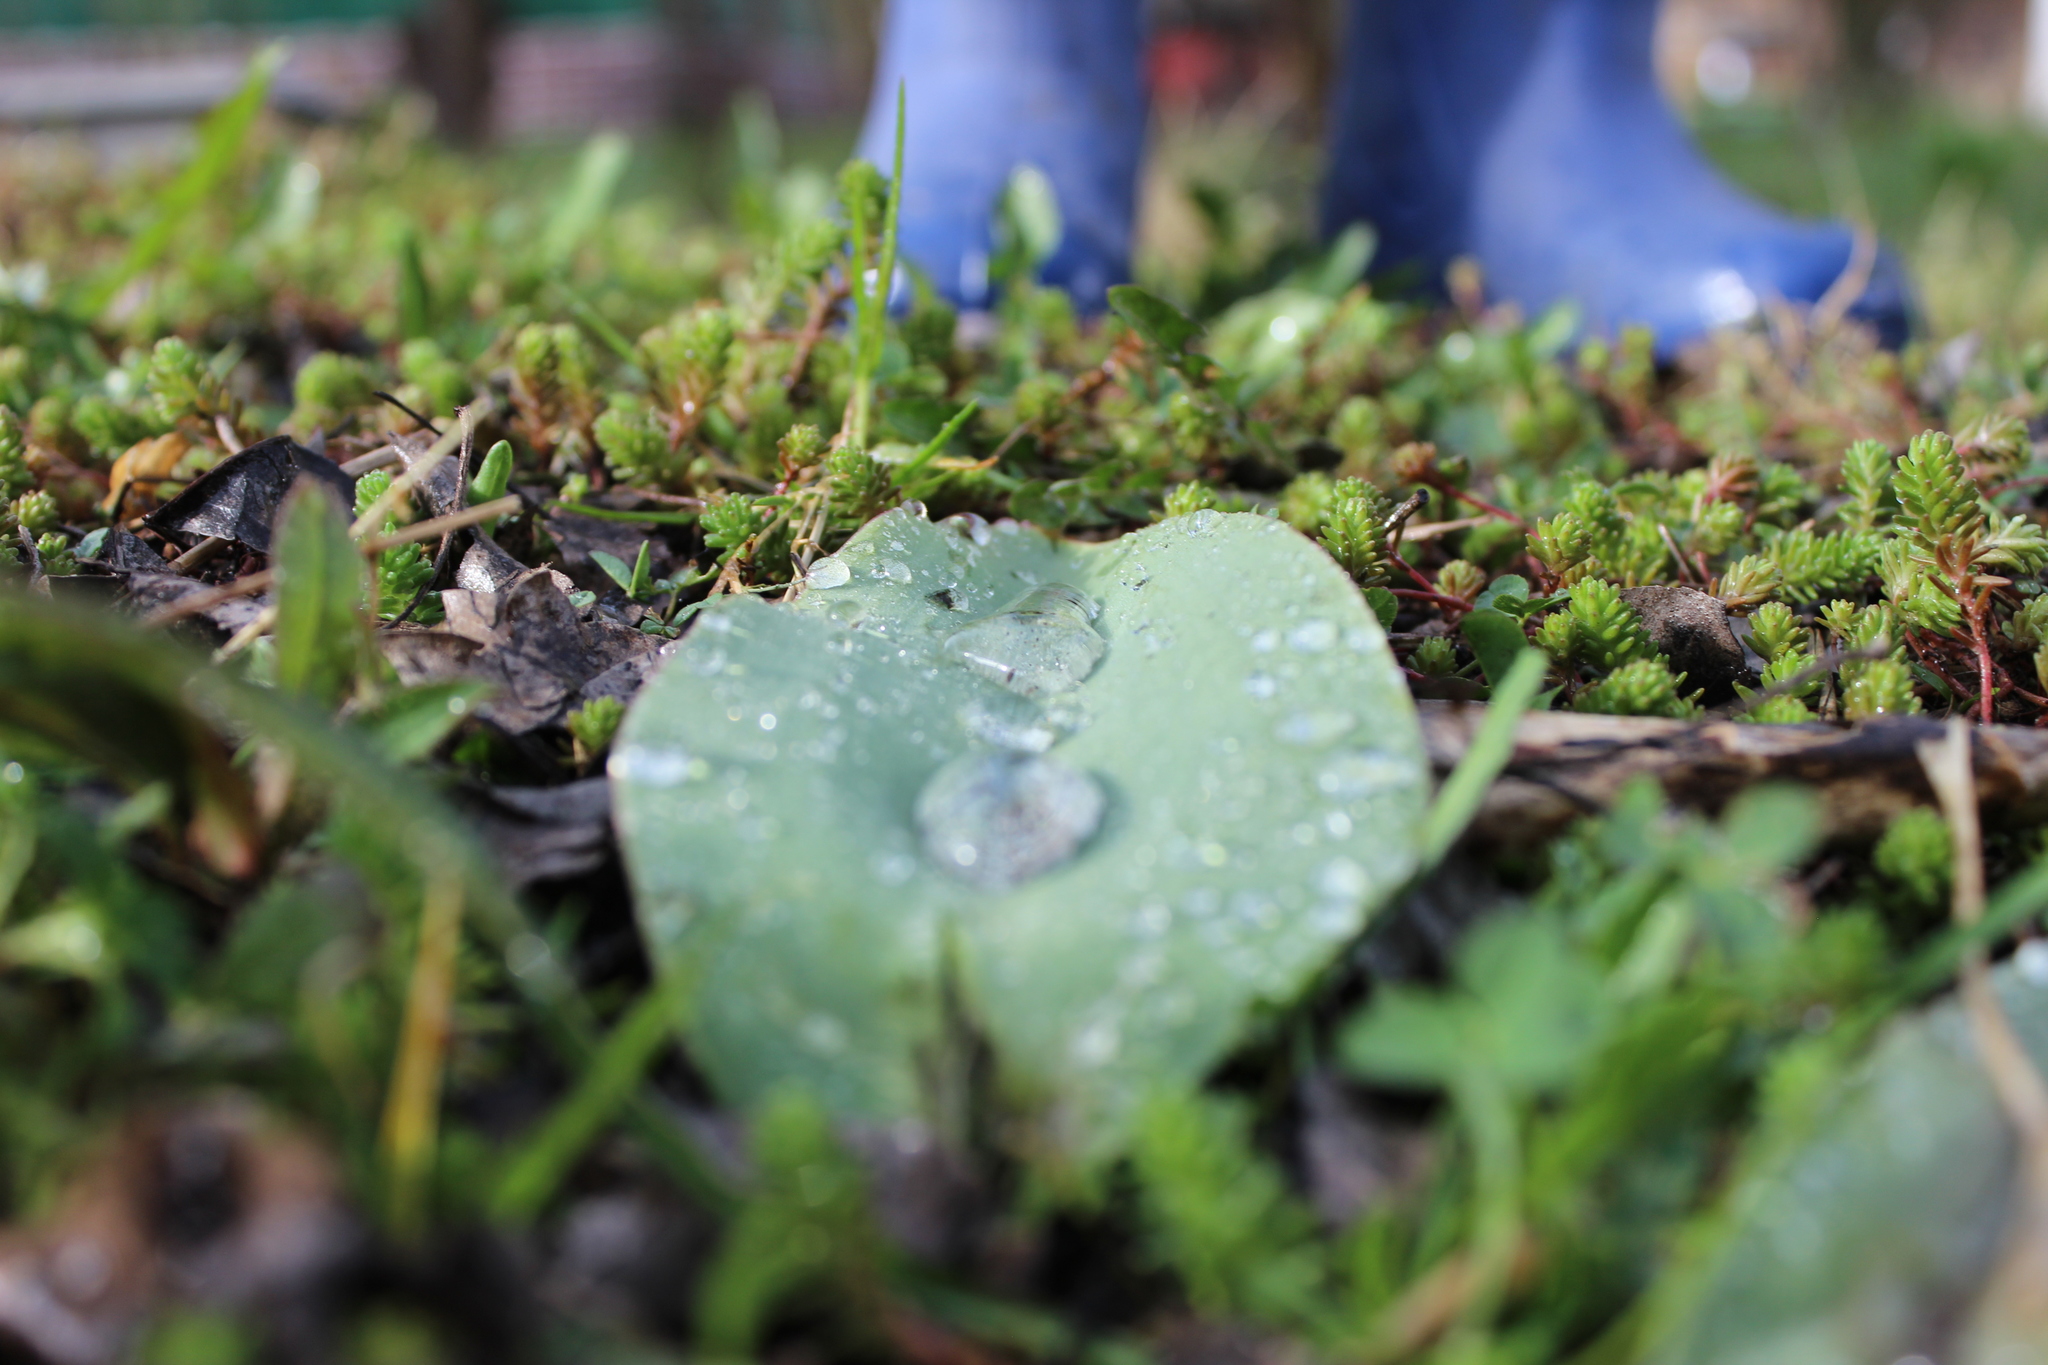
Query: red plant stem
point(1451, 490)
point(1405, 567)
point(1981, 637)
point(1419, 595)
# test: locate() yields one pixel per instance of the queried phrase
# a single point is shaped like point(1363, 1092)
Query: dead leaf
point(148, 460)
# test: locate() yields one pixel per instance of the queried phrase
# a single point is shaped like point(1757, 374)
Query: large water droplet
point(829, 573)
point(1040, 644)
point(998, 820)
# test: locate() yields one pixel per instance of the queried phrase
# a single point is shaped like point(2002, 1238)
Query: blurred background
point(1909, 114)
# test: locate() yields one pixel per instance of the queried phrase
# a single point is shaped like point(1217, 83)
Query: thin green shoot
point(872, 288)
point(1492, 747)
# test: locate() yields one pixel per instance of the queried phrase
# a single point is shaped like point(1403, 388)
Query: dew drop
point(2031, 959)
point(1343, 880)
point(1043, 643)
point(823, 1034)
point(1315, 729)
point(1351, 776)
point(913, 508)
point(895, 570)
point(1098, 1044)
point(1202, 522)
point(1262, 686)
point(998, 820)
point(651, 767)
point(1312, 637)
point(894, 869)
point(971, 526)
point(829, 573)
point(1265, 642)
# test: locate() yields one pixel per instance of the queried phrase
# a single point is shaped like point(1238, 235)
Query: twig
point(824, 303)
point(448, 537)
point(247, 635)
point(402, 486)
point(1437, 530)
point(454, 521)
point(192, 604)
point(2021, 1091)
point(1399, 519)
point(202, 553)
point(406, 410)
point(38, 581)
point(1828, 662)
point(2011, 1307)
point(383, 457)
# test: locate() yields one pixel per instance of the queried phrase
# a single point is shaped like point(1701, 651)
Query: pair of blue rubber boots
point(1529, 135)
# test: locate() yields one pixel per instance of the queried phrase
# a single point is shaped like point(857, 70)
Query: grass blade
point(614, 1073)
point(1492, 747)
point(221, 138)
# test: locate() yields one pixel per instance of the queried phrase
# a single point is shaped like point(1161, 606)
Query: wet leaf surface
point(1119, 795)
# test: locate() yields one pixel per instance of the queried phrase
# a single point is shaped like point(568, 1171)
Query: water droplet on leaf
point(1312, 637)
point(998, 820)
point(1041, 644)
point(829, 573)
point(1314, 729)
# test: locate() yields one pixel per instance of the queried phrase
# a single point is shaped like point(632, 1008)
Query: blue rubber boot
point(1531, 135)
point(997, 84)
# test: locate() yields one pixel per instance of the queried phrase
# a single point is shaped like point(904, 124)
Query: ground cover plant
point(583, 788)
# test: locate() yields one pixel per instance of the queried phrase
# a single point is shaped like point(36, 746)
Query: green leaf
point(614, 568)
point(1528, 1009)
point(415, 294)
point(591, 187)
point(1497, 639)
point(1169, 330)
point(410, 723)
point(220, 142)
point(1384, 604)
point(322, 583)
point(1873, 1213)
point(1197, 821)
point(1486, 759)
point(1508, 593)
point(537, 1168)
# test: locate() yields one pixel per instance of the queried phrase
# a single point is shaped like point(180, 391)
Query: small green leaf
point(410, 723)
point(1508, 588)
point(1169, 330)
point(615, 568)
point(1497, 638)
point(322, 583)
point(1384, 605)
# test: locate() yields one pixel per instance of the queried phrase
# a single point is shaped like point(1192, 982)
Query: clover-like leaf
point(1106, 799)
